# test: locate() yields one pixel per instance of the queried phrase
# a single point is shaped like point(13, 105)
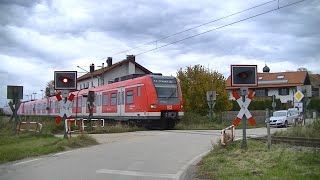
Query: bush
point(258, 105)
point(314, 104)
point(309, 130)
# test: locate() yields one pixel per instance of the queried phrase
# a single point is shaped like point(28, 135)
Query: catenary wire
point(195, 27)
point(220, 27)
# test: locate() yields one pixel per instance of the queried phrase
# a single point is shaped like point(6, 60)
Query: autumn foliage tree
point(195, 82)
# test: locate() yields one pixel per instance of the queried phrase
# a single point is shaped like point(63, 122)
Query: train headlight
point(181, 106)
point(153, 106)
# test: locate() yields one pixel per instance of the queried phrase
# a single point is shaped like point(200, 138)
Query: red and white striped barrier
point(224, 137)
point(244, 108)
point(64, 107)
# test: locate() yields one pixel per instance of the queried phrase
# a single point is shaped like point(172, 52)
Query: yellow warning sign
point(298, 96)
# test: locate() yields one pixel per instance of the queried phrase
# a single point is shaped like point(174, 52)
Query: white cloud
point(37, 38)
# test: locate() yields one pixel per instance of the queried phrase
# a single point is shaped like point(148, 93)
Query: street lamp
point(41, 94)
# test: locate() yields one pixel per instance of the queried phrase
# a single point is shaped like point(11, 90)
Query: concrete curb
point(182, 174)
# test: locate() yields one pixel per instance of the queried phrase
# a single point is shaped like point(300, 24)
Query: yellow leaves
point(195, 82)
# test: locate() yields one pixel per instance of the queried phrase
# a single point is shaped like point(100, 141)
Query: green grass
point(309, 130)
point(192, 121)
point(30, 145)
point(281, 162)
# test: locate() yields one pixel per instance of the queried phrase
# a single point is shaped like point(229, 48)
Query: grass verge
point(30, 145)
point(281, 162)
point(192, 121)
point(309, 130)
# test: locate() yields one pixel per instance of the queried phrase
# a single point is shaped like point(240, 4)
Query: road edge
point(181, 175)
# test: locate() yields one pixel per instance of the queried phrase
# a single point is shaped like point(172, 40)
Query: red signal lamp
point(65, 80)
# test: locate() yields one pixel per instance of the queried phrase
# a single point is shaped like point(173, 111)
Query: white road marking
point(65, 152)
point(179, 173)
point(24, 162)
point(133, 173)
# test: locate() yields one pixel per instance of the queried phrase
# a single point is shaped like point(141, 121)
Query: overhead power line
point(195, 27)
point(220, 27)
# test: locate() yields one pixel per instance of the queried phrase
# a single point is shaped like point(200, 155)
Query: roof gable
point(106, 69)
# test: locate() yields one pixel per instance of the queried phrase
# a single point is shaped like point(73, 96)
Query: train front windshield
point(167, 90)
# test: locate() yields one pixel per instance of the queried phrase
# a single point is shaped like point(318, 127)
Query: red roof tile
point(297, 78)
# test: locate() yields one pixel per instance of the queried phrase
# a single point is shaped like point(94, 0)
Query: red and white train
point(153, 101)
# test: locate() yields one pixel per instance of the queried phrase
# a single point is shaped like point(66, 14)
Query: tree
point(304, 69)
point(50, 91)
point(195, 82)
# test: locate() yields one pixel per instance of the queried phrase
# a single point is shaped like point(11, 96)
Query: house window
point(261, 92)
point(129, 97)
point(139, 91)
point(104, 99)
point(280, 77)
point(113, 99)
point(283, 91)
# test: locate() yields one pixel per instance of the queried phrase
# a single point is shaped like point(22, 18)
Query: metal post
point(268, 129)
point(210, 110)
point(244, 133)
point(273, 103)
point(64, 120)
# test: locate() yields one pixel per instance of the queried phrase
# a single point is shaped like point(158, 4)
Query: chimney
point(91, 68)
point(109, 61)
point(131, 57)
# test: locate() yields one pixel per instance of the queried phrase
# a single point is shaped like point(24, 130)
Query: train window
point(129, 97)
point(138, 90)
point(79, 101)
point(104, 99)
point(113, 99)
point(84, 101)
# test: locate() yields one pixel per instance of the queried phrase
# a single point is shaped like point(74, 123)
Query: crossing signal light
point(244, 75)
point(65, 80)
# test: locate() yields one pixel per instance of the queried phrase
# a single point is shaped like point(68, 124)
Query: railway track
point(298, 141)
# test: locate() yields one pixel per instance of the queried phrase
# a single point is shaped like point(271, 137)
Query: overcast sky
point(38, 37)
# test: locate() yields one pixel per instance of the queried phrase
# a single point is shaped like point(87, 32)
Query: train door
point(121, 107)
point(98, 103)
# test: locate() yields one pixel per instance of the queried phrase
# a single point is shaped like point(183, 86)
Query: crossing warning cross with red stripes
point(244, 108)
point(64, 107)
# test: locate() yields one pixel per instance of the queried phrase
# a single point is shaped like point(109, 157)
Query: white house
point(108, 74)
point(281, 84)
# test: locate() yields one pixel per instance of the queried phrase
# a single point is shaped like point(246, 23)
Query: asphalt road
point(136, 155)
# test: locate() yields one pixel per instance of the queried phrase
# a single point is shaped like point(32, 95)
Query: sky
point(38, 37)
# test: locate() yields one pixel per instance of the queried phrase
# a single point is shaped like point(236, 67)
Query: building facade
point(283, 85)
point(108, 74)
